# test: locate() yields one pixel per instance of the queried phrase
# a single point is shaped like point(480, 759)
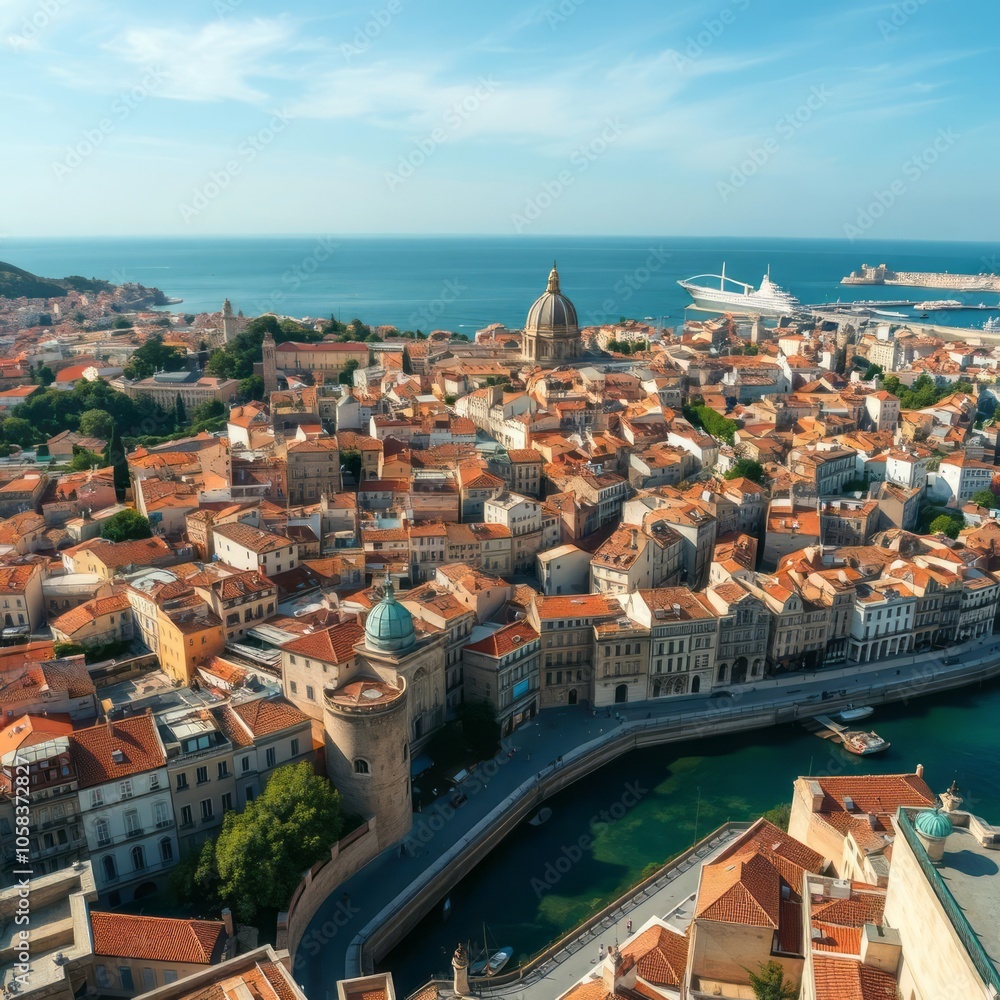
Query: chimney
point(635, 538)
point(618, 972)
point(920, 770)
point(881, 948)
point(816, 795)
point(227, 919)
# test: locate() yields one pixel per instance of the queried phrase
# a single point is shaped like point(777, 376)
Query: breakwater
point(883, 275)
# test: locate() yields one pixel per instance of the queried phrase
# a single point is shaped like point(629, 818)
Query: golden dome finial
point(553, 285)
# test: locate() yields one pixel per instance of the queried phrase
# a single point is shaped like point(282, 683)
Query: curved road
point(329, 948)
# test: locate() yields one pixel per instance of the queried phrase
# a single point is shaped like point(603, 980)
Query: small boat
point(855, 713)
point(864, 743)
point(446, 909)
point(499, 960)
point(542, 816)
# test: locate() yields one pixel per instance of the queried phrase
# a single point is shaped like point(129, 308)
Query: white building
point(245, 547)
point(882, 621)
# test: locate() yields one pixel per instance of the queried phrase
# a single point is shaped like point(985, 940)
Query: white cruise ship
point(728, 295)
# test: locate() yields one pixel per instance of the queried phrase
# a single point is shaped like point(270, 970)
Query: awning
point(420, 764)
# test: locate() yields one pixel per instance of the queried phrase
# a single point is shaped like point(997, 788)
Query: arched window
point(110, 867)
point(102, 832)
point(695, 684)
point(361, 766)
point(166, 850)
point(138, 858)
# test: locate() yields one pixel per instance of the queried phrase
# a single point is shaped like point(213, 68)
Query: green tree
point(152, 357)
point(180, 412)
point(769, 983)
point(873, 371)
point(207, 410)
point(480, 727)
point(779, 815)
point(945, 525)
point(17, 430)
point(746, 468)
point(346, 377)
point(350, 459)
point(121, 323)
point(714, 423)
point(96, 423)
point(115, 456)
point(83, 459)
point(985, 498)
point(45, 375)
point(261, 852)
point(252, 387)
point(125, 526)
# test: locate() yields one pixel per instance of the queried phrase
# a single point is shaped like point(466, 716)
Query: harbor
point(883, 275)
point(840, 731)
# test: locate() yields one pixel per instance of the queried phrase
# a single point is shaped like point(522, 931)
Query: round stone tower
point(367, 753)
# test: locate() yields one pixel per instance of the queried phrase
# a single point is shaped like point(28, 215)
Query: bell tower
point(269, 357)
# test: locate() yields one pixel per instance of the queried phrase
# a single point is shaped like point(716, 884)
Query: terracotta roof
point(332, 645)
point(661, 954)
point(840, 979)
point(505, 640)
point(158, 939)
point(94, 750)
point(264, 716)
point(582, 606)
point(69, 675)
point(80, 617)
point(252, 538)
point(115, 554)
point(742, 892)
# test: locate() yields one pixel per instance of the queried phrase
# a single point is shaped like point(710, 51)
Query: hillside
point(14, 283)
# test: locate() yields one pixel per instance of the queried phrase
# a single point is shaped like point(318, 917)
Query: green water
point(683, 791)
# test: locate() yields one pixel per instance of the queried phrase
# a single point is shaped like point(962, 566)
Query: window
point(223, 769)
point(110, 868)
point(138, 856)
point(154, 782)
point(103, 979)
point(361, 766)
point(182, 782)
point(161, 815)
point(166, 850)
point(133, 828)
point(186, 819)
point(148, 980)
point(269, 756)
point(310, 693)
point(169, 976)
point(103, 833)
point(293, 687)
point(207, 812)
point(227, 801)
point(245, 765)
point(125, 788)
point(125, 975)
point(295, 747)
point(202, 775)
point(96, 797)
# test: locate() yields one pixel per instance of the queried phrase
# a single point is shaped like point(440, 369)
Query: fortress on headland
point(883, 275)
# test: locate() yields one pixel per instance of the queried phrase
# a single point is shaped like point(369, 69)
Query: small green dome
point(389, 626)
point(933, 823)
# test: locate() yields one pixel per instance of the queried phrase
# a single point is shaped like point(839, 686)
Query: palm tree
point(768, 983)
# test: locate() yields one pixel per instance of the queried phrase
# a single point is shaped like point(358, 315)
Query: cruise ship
point(728, 295)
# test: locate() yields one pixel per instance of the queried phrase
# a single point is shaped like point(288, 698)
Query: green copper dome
point(933, 823)
point(389, 626)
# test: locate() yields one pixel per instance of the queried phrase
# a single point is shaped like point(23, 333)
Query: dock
point(825, 728)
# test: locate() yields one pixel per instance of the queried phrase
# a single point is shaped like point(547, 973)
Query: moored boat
point(862, 743)
point(499, 960)
point(854, 713)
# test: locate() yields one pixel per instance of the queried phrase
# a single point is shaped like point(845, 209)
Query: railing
point(987, 971)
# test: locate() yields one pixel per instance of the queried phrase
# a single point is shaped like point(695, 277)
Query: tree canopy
point(83, 459)
point(154, 356)
point(746, 468)
point(125, 526)
point(945, 525)
point(96, 423)
point(712, 422)
point(769, 983)
point(924, 391)
point(261, 853)
point(985, 498)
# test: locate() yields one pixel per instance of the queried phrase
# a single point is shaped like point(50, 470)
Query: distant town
point(278, 593)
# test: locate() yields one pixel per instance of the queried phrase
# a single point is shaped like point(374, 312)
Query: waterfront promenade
point(391, 887)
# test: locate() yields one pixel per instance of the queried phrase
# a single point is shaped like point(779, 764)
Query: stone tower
point(460, 966)
point(269, 353)
point(367, 752)
point(229, 330)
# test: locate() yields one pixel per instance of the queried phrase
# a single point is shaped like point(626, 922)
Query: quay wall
point(882, 275)
point(392, 924)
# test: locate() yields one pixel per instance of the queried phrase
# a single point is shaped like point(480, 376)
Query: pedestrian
point(600, 954)
point(628, 926)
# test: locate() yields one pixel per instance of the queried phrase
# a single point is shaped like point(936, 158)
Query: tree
point(346, 377)
point(45, 375)
point(945, 525)
point(152, 357)
point(746, 468)
point(126, 526)
point(873, 371)
point(83, 459)
point(180, 412)
point(779, 815)
point(480, 727)
point(713, 422)
point(769, 983)
point(96, 423)
point(207, 410)
point(121, 323)
point(115, 456)
point(985, 498)
point(261, 852)
point(17, 430)
point(350, 459)
point(252, 387)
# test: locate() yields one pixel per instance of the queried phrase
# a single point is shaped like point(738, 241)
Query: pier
point(883, 275)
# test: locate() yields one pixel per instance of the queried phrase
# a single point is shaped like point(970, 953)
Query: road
point(330, 949)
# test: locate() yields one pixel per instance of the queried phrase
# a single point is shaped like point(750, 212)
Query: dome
point(933, 823)
point(389, 626)
point(552, 311)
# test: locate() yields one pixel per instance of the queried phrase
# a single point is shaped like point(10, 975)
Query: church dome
point(933, 823)
point(389, 626)
point(552, 311)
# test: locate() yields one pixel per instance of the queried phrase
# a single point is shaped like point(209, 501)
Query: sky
point(726, 117)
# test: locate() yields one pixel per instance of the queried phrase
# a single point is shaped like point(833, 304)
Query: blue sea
point(463, 283)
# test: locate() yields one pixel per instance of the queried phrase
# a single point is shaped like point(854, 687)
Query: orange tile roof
point(264, 716)
point(505, 640)
point(742, 892)
point(661, 954)
point(93, 750)
point(158, 939)
point(252, 538)
point(80, 617)
point(840, 979)
point(332, 645)
point(582, 606)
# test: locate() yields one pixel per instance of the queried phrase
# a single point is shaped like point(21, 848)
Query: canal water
point(543, 881)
